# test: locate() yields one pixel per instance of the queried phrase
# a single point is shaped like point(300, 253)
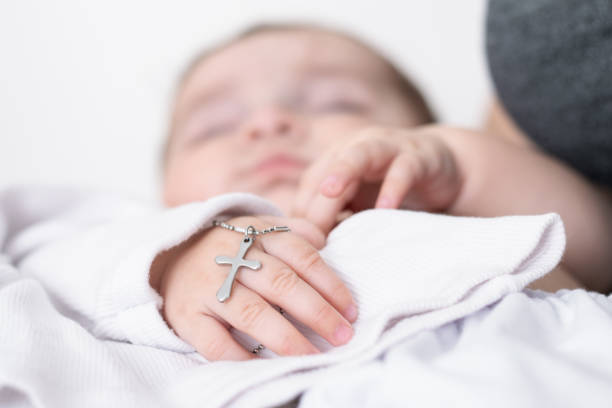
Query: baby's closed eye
point(215, 119)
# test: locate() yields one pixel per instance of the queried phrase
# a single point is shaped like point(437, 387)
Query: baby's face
point(253, 116)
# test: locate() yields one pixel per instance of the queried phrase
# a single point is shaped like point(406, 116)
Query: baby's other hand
point(292, 276)
point(379, 168)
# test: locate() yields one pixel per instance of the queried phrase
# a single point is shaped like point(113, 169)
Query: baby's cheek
point(193, 179)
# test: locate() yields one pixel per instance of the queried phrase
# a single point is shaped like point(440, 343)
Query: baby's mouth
point(281, 162)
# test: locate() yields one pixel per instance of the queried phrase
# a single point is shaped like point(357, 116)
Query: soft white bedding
point(530, 349)
point(442, 319)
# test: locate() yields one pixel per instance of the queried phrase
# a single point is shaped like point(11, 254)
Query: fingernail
point(342, 334)
point(331, 184)
point(351, 313)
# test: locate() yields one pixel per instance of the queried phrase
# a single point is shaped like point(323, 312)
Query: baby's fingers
point(212, 340)
point(280, 285)
point(324, 211)
point(250, 313)
point(405, 170)
point(365, 159)
point(308, 264)
point(309, 185)
point(423, 177)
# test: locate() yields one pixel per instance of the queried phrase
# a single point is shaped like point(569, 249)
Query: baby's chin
point(280, 194)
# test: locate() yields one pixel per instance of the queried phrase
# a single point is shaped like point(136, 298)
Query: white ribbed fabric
point(81, 326)
point(92, 253)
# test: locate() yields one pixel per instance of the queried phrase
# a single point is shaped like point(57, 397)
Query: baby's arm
point(437, 168)
point(500, 178)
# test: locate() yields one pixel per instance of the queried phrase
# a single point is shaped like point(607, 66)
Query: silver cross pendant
point(238, 261)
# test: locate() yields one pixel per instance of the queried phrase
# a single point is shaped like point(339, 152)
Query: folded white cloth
point(81, 326)
point(531, 349)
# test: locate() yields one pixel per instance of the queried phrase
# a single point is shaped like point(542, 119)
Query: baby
point(322, 126)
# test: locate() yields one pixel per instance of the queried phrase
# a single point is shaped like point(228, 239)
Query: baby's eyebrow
point(313, 73)
point(341, 75)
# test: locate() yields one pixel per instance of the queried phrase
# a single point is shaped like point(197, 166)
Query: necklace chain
point(250, 230)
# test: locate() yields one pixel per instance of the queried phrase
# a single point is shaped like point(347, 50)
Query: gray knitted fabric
point(551, 62)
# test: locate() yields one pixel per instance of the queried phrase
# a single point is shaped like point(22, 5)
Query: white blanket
point(531, 349)
point(81, 326)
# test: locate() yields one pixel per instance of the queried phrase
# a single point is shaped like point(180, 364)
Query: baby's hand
point(292, 276)
point(382, 168)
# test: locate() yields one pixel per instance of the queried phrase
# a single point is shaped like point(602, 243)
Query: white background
point(85, 86)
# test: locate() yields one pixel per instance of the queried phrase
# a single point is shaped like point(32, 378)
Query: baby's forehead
point(287, 53)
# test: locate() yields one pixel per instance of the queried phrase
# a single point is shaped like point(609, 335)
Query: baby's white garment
point(81, 325)
point(92, 253)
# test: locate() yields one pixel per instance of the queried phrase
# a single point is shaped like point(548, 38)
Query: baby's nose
point(271, 122)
